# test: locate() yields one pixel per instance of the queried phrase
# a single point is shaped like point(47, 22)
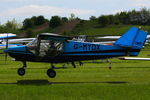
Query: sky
point(21, 9)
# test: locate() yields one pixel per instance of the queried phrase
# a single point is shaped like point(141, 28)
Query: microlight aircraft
point(53, 48)
point(6, 40)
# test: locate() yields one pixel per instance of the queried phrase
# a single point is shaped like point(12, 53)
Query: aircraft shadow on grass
point(46, 82)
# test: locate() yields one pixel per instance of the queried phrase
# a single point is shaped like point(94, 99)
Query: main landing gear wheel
point(21, 71)
point(51, 73)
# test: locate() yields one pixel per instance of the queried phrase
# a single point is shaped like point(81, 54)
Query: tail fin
point(134, 39)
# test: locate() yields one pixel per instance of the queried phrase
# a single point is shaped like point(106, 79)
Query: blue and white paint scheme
point(129, 44)
point(7, 35)
point(3, 39)
point(53, 48)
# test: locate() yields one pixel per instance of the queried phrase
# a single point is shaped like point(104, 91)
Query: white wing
point(115, 37)
point(109, 37)
point(22, 40)
point(7, 35)
point(134, 58)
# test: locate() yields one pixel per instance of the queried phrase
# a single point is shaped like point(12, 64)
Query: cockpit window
point(32, 43)
point(32, 46)
point(43, 47)
point(50, 47)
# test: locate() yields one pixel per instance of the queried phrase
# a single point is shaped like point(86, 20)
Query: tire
point(21, 71)
point(51, 73)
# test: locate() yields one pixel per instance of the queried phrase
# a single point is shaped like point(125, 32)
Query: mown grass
point(93, 28)
point(127, 80)
point(75, 92)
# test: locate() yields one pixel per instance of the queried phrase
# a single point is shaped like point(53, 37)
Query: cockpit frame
point(47, 44)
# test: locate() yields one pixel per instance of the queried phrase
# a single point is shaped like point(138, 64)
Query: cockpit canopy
point(47, 44)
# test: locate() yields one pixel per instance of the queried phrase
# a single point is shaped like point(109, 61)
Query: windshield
point(32, 43)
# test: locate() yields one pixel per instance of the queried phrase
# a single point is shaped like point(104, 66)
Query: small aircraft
point(53, 48)
point(7, 38)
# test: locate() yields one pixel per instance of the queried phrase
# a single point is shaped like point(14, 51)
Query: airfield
point(127, 80)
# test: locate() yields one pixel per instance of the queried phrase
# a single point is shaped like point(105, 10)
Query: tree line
point(39, 20)
point(134, 17)
point(141, 17)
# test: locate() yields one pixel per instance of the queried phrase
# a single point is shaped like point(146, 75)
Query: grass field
point(127, 80)
point(93, 28)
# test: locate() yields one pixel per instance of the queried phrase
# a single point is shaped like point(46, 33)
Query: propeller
point(6, 54)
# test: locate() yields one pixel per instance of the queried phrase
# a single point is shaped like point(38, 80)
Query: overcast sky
point(21, 9)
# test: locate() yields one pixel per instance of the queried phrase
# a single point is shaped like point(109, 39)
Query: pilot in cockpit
point(52, 49)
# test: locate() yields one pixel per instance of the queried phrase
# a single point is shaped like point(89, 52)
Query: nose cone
point(16, 49)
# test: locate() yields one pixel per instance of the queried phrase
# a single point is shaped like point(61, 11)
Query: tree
point(141, 17)
point(55, 21)
point(72, 16)
point(103, 21)
point(64, 19)
point(123, 17)
point(145, 16)
point(40, 20)
point(34, 20)
point(92, 18)
point(13, 25)
point(27, 23)
point(111, 19)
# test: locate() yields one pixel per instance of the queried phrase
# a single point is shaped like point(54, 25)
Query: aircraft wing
point(7, 35)
point(51, 36)
point(148, 36)
point(109, 37)
point(134, 58)
point(115, 37)
point(14, 42)
point(22, 40)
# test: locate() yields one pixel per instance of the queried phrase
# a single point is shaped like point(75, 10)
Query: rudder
point(133, 39)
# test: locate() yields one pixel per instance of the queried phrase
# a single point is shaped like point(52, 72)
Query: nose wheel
point(51, 73)
point(21, 71)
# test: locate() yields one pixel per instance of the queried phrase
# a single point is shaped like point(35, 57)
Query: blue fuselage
point(73, 51)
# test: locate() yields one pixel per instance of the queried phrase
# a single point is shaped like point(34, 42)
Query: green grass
point(75, 92)
point(127, 80)
point(111, 30)
point(93, 28)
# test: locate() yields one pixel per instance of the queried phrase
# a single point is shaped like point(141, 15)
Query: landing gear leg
point(81, 63)
point(21, 71)
point(73, 64)
point(110, 65)
point(51, 72)
point(63, 66)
